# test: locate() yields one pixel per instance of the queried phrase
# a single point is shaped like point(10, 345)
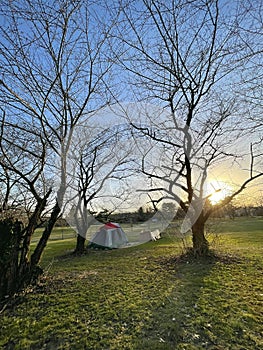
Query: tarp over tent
point(109, 236)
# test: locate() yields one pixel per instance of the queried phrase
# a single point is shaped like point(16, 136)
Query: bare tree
point(184, 57)
point(22, 162)
point(249, 31)
point(95, 162)
point(56, 71)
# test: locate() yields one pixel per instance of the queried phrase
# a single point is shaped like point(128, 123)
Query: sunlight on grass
point(144, 297)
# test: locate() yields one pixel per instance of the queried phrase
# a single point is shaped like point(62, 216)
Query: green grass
point(58, 233)
point(144, 297)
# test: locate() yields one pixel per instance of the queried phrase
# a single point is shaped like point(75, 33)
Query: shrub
point(10, 240)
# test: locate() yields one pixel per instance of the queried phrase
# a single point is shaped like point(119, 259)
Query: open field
point(144, 297)
point(132, 231)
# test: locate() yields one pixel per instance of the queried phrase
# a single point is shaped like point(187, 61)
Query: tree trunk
point(27, 237)
point(200, 244)
point(35, 257)
point(80, 246)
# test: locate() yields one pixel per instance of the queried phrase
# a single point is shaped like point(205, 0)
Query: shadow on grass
point(174, 323)
point(139, 298)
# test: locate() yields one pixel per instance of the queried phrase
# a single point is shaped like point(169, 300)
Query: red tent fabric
point(109, 236)
point(110, 225)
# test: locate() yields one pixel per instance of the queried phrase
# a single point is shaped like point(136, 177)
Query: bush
point(10, 239)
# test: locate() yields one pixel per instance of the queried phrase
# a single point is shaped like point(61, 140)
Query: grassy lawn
point(58, 233)
point(144, 297)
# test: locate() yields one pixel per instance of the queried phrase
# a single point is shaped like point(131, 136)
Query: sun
point(218, 190)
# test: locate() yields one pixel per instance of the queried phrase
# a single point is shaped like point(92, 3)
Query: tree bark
point(80, 246)
point(200, 243)
point(29, 231)
point(35, 257)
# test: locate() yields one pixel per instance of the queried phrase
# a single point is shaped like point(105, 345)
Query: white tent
point(109, 236)
point(146, 236)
